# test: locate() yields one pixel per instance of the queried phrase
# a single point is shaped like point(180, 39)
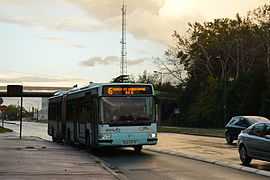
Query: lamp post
point(224, 86)
point(2, 114)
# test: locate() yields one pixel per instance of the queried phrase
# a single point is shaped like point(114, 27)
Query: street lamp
point(224, 85)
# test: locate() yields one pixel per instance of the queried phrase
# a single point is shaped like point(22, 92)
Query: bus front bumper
point(128, 139)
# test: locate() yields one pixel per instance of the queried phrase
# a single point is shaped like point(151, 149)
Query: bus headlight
point(152, 135)
point(105, 137)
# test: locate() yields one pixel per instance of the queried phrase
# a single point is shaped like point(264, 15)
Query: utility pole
point(123, 65)
point(2, 111)
point(21, 114)
point(37, 114)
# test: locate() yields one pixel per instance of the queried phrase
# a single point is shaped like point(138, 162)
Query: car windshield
point(232, 121)
point(127, 109)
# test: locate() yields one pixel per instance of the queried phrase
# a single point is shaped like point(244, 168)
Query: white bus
point(98, 115)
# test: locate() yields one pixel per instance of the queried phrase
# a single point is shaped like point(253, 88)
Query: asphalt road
point(152, 166)
point(156, 166)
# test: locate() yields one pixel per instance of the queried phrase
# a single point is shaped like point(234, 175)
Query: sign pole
point(16, 91)
point(21, 111)
point(2, 111)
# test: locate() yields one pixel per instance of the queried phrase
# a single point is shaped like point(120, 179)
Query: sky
point(67, 42)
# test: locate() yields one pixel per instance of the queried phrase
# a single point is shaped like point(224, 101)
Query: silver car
point(239, 123)
point(254, 143)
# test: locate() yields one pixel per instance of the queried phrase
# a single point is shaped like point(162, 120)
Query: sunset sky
point(65, 42)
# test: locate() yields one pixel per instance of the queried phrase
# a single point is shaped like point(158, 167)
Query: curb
point(193, 134)
point(106, 166)
point(215, 162)
point(189, 133)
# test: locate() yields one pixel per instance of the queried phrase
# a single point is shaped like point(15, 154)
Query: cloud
point(36, 79)
point(135, 62)
point(157, 19)
point(99, 61)
point(39, 80)
point(142, 17)
point(57, 15)
point(108, 9)
point(64, 42)
point(148, 19)
point(109, 60)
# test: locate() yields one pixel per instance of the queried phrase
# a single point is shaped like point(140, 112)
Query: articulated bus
point(99, 115)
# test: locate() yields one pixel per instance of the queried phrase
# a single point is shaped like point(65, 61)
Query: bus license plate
point(129, 142)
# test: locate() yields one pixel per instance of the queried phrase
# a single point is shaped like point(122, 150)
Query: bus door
point(58, 119)
point(83, 118)
point(94, 120)
point(64, 116)
point(75, 121)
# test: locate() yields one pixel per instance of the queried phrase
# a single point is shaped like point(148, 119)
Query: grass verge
point(193, 131)
point(4, 130)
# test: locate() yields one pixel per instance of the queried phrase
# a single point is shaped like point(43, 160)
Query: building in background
point(43, 113)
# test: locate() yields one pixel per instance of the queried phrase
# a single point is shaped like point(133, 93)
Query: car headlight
point(152, 135)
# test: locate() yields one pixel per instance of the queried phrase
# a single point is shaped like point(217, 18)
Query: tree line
point(13, 113)
point(222, 68)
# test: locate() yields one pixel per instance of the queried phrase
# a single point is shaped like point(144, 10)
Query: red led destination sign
point(126, 90)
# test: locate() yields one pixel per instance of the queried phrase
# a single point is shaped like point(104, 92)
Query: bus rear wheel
point(57, 139)
point(54, 139)
point(68, 137)
point(138, 148)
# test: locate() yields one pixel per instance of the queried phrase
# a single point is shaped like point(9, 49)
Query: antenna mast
point(123, 65)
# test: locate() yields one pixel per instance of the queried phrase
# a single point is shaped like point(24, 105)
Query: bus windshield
point(118, 110)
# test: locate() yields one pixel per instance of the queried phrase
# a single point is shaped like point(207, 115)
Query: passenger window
point(250, 131)
point(259, 130)
point(267, 130)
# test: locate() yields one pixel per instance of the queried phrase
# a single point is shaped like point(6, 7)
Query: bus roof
point(93, 86)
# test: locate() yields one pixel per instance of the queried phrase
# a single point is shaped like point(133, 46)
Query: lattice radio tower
point(123, 65)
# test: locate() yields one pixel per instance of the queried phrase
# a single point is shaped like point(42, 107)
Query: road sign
point(14, 90)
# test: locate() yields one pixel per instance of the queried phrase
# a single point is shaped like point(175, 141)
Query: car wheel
point(229, 138)
point(245, 159)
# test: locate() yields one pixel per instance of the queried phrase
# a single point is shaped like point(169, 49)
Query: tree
point(146, 77)
point(218, 60)
point(13, 112)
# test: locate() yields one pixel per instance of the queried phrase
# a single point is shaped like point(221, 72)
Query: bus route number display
point(116, 90)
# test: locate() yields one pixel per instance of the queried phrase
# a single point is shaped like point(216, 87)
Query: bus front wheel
point(138, 149)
